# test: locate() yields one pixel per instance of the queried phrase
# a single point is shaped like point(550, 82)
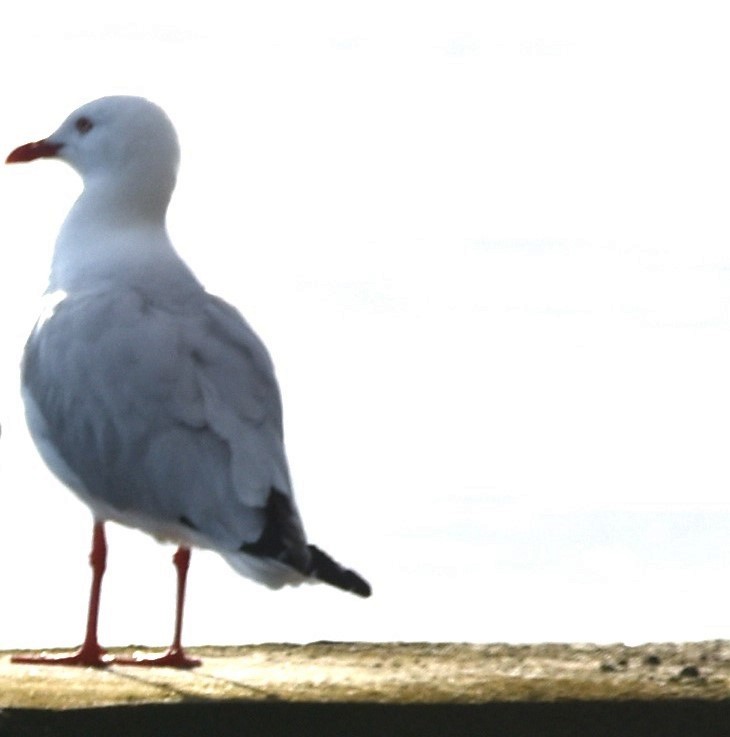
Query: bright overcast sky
point(488, 246)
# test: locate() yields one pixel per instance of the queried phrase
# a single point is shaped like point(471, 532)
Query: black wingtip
point(282, 539)
point(330, 571)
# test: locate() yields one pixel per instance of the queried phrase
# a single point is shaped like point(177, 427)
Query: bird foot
point(174, 657)
point(87, 656)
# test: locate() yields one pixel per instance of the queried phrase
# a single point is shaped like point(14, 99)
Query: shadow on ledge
point(687, 718)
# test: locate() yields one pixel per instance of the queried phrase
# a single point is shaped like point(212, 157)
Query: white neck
point(116, 236)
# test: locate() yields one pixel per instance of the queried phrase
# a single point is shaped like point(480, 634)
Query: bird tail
point(324, 568)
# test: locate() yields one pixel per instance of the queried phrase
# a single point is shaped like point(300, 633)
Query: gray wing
point(170, 412)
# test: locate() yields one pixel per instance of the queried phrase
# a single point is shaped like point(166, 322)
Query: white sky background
point(487, 245)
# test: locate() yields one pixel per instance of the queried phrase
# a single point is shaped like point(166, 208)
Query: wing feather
point(170, 411)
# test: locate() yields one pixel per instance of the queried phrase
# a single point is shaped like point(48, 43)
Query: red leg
point(89, 654)
point(175, 656)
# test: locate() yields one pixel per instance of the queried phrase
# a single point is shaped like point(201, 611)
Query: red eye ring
point(84, 125)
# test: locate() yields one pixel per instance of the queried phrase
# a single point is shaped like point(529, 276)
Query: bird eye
point(84, 125)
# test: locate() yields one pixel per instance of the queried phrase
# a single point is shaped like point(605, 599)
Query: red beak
point(36, 150)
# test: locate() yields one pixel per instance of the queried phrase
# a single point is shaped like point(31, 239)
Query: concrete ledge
point(379, 689)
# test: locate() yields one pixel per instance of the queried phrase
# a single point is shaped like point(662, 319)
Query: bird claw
point(96, 657)
point(172, 658)
point(87, 656)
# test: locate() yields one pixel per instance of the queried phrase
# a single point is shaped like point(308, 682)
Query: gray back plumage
point(168, 408)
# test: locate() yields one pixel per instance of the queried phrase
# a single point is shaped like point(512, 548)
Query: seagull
point(151, 399)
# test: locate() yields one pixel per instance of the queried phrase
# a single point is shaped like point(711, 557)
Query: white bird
point(151, 399)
